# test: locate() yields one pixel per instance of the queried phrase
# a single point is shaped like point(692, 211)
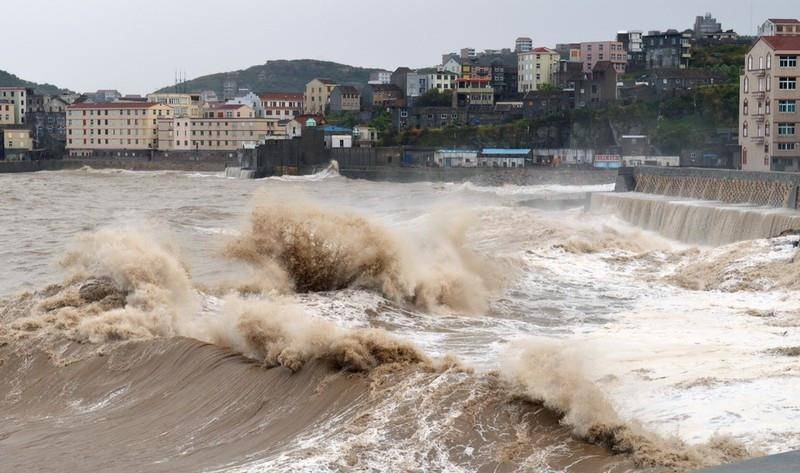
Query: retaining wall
point(772, 189)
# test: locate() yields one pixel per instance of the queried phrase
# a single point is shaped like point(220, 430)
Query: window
point(746, 85)
point(785, 129)
point(787, 106)
point(749, 63)
point(744, 129)
point(787, 83)
point(788, 61)
point(786, 146)
point(769, 61)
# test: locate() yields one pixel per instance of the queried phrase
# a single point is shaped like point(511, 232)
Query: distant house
point(282, 105)
point(408, 83)
point(337, 136)
point(381, 96)
point(317, 95)
point(503, 157)
point(345, 98)
point(365, 136)
point(672, 81)
point(455, 158)
point(295, 126)
point(667, 50)
point(427, 117)
point(780, 27)
point(380, 77)
point(542, 102)
point(16, 143)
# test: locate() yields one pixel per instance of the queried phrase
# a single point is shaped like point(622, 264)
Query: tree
point(435, 98)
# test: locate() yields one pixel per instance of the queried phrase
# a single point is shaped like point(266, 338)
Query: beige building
point(20, 97)
point(103, 127)
point(17, 143)
point(537, 67)
point(769, 122)
point(281, 105)
point(223, 127)
point(318, 95)
point(8, 112)
point(183, 105)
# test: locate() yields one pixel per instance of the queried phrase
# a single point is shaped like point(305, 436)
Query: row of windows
point(784, 83)
point(784, 129)
point(784, 106)
point(783, 61)
point(120, 112)
point(106, 141)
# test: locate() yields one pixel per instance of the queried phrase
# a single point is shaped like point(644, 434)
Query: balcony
point(759, 72)
point(758, 116)
point(757, 139)
point(758, 94)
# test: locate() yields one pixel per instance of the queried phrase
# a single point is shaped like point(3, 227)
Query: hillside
point(10, 80)
point(279, 76)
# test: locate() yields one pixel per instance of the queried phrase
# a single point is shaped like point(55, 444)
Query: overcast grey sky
point(135, 45)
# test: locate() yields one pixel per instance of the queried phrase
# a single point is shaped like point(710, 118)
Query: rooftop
point(783, 43)
point(88, 105)
point(282, 96)
point(506, 151)
point(348, 89)
point(784, 20)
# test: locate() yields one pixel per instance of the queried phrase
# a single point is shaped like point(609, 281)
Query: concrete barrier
point(770, 189)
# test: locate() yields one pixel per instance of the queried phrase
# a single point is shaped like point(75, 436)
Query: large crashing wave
point(325, 249)
point(124, 285)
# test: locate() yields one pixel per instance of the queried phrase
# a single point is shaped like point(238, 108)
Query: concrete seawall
point(769, 189)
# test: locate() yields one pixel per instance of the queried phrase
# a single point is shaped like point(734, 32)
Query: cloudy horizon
point(135, 46)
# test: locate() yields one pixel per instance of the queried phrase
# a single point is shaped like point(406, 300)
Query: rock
point(97, 289)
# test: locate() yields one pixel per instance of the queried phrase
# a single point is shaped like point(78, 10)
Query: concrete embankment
point(216, 164)
point(704, 206)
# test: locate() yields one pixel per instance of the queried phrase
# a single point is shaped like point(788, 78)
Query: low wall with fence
point(772, 189)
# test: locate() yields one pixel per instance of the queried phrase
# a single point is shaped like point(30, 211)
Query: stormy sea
point(183, 322)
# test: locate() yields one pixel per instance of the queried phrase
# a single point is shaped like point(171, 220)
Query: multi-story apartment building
point(523, 44)
point(536, 68)
point(632, 44)
point(104, 127)
point(408, 82)
point(442, 79)
point(223, 127)
point(8, 112)
point(380, 77)
point(381, 96)
point(183, 105)
point(705, 26)
point(769, 122)
point(780, 27)
point(611, 51)
point(473, 91)
point(21, 98)
point(345, 98)
point(670, 49)
point(317, 95)
point(282, 105)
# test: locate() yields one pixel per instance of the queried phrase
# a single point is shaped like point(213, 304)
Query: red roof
point(281, 96)
point(113, 105)
point(783, 43)
point(542, 50)
point(784, 20)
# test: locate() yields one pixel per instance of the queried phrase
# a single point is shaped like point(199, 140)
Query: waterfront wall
point(770, 189)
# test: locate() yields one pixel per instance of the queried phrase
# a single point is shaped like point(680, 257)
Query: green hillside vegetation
point(10, 80)
point(280, 76)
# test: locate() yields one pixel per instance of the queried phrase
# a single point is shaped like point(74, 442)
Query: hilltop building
point(317, 95)
point(779, 27)
point(19, 102)
point(536, 68)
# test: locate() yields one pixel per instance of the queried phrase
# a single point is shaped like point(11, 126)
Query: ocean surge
point(325, 249)
point(554, 373)
point(125, 285)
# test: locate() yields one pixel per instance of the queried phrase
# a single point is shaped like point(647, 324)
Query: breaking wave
point(331, 171)
point(553, 373)
point(323, 249)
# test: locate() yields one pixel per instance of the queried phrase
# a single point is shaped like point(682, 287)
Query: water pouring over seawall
point(697, 221)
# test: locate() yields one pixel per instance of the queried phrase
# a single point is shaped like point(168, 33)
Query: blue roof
point(336, 129)
point(506, 151)
point(456, 151)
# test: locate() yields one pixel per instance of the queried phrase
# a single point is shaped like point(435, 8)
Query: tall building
point(523, 44)
point(670, 49)
point(318, 95)
point(20, 98)
point(706, 25)
point(596, 51)
point(536, 68)
point(779, 27)
point(282, 105)
point(632, 44)
point(768, 105)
